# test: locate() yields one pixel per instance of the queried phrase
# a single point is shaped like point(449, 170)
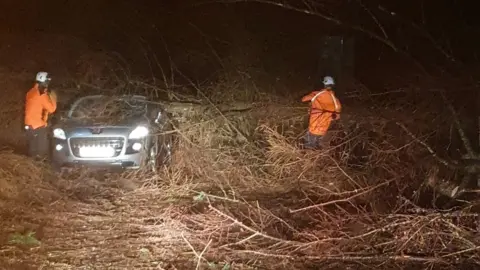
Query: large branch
point(324, 16)
point(422, 31)
point(315, 12)
point(429, 149)
point(466, 142)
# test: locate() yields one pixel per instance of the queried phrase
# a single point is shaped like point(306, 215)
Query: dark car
point(125, 131)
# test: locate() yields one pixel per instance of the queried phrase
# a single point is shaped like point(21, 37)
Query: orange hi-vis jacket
point(35, 107)
point(323, 105)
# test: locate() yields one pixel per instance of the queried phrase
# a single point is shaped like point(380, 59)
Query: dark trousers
point(37, 143)
point(312, 141)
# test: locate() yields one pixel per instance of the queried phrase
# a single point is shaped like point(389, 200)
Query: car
point(122, 131)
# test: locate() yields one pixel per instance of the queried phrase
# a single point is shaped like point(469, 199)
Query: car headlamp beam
point(138, 133)
point(59, 134)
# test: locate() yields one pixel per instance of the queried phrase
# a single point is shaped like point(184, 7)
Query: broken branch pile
point(240, 194)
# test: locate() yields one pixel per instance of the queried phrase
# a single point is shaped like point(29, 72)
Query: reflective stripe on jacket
point(323, 105)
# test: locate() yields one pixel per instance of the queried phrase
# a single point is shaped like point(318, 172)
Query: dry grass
point(240, 194)
point(21, 179)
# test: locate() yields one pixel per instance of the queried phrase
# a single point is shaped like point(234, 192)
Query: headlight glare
point(59, 134)
point(138, 133)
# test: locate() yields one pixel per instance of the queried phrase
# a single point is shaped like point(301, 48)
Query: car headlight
point(138, 133)
point(59, 134)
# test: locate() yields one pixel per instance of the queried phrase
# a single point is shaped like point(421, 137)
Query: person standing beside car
point(39, 103)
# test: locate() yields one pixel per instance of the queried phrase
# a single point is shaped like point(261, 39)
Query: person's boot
point(322, 142)
point(310, 146)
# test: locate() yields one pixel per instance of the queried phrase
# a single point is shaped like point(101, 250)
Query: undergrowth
point(241, 194)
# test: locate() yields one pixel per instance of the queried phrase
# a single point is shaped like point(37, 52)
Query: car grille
point(115, 142)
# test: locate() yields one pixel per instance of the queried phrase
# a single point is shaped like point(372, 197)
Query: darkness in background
point(291, 36)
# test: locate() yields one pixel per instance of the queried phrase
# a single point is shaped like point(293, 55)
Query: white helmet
point(42, 77)
point(327, 80)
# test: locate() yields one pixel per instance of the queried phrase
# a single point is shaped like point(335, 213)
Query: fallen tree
point(260, 202)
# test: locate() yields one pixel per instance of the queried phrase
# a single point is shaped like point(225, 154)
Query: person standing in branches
point(39, 103)
point(325, 108)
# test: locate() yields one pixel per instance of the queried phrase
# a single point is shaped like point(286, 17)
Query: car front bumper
point(63, 156)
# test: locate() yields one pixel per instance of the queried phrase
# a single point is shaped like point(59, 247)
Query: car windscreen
point(110, 108)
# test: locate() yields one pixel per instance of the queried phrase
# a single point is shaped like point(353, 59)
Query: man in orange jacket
point(38, 104)
point(325, 107)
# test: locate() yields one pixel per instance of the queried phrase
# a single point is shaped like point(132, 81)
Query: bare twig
point(385, 35)
point(247, 227)
point(362, 192)
point(461, 132)
point(201, 254)
point(321, 15)
point(429, 149)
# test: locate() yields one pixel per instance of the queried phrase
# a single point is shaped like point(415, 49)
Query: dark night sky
point(98, 17)
point(113, 24)
point(65, 15)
